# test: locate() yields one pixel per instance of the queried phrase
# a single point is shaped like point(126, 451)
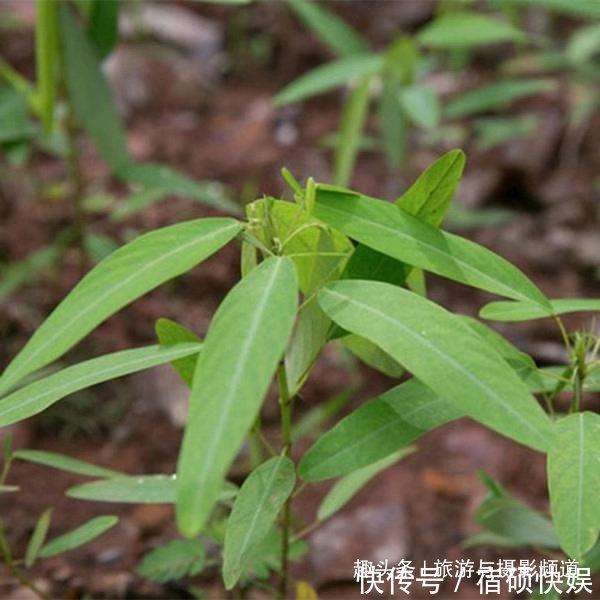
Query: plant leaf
point(242, 348)
point(392, 231)
point(329, 76)
point(128, 273)
point(65, 463)
point(37, 537)
point(42, 393)
point(170, 333)
point(525, 311)
point(254, 511)
point(437, 348)
point(372, 355)
point(89, 93)
point(351, 126)
point(329, 28)
point(421, 105)
point(173, 561)
point(376, 429)
point(104, 25)
point(574, 481)
point(343, 491)
point(82, 535)
point(467, 29)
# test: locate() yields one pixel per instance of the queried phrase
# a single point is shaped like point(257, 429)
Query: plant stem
point(285, 403)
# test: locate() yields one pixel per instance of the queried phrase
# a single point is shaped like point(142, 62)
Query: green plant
point(331, 266)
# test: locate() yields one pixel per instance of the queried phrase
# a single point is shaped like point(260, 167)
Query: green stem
point(285, 403)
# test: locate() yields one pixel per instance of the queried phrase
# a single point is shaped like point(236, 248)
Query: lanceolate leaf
point(392, 231)
point(82, 535)
point(64, 463)
point(125, 275)
point(41, 394)
point(438, 349)
point(574, 481)
point(241, 351)
point(254, 511)
point(37, 537)
point(376, 429)
point(170, 333)
point(525, 311)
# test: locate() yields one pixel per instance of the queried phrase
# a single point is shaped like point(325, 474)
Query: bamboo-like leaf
point(392, 231)
point(242, 348)
point(125, 275)
point(330, 28)
point(375, 430)
point(170, 333)
point(351, 126)
point(574, 481)
point(138, 489)
point(80, 536)
point(254, 511)
point(37, 537)
point(329, 76)
point(525, 311)
point(65, 463)
point(438, 349)
point(343, 491)
point(39, 395)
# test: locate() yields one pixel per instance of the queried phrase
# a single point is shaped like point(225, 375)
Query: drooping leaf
point(79, 536)
point(164, 178)
point(37, 537)
point(574, 481)
point(329, 28)
point(173, 561)
point(65, 463)
point(375, 430)
point(329, 76)
point(242, 348)
point(130, 272)
point(89, 93)
point(525, 311)
point(351, 126)
point(137, 489)
point(343, 491)
point(254, 511)
point(496, 95)
point(467, 29)
point(170, 333)
point(42, 393)
point(421, 105)
point(104, 25)
point(392, 231)
point(438, 349)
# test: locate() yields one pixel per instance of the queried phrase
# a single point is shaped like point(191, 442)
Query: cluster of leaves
point(405, 98)
point(358, 264)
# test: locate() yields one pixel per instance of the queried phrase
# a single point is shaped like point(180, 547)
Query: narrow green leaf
point(130, 272)
point(65, 463)
point(173, 561)
point(137, 489)
point(37, 537)
point(496, 95)
point(421, 105)
point(170, 333)
point(254, 511)
point(138, 201)
point(104, 25)
point(351, 126)
point(372, 355)
point(429, 197)
point(375, 430)
point(46, 58)
point(575, 8)
point(574, 481)
point(329, 76)
point(343, 491)
point(525, 311)
point(166, 179)
point(584, 43)
point(467, 29)
point(392, 231)
point(82, 535)
point(329, 28)
point(42, 393)
point(89, 93)
point(242, 348)
point(438, 349)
